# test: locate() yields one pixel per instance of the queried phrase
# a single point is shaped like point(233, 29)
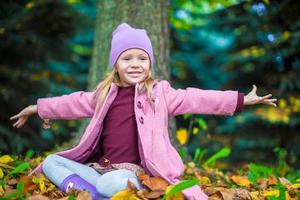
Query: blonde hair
point(103, 87)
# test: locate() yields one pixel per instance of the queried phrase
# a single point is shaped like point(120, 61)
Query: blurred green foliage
point(230, 45)
point(45, 51)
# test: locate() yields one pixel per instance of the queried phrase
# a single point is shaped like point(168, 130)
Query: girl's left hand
point(252, 98)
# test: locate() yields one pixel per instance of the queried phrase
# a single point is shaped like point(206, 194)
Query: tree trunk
point(149, 15)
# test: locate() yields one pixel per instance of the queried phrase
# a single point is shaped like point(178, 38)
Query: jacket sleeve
point(71, 106)
point(198, 101)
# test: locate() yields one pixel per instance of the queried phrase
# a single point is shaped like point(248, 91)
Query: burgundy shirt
point(240, 102)
point(119, 138)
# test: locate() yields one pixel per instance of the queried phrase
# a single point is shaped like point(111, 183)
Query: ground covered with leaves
point(250, 181)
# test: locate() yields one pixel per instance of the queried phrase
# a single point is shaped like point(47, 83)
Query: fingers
point(270, 102)
point(20, 122)
point(25, 112)
point(15, 116)
point(266, 96)
point(254, 88)
point(16, 123)
point(21, 114)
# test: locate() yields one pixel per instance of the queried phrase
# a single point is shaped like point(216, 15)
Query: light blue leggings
point(57, 168)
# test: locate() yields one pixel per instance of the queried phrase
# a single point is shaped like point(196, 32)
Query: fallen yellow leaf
point(6, 159)
point(37, 160)
point(125, 194)
point(40, 181)
point(271, 193)
point(296, 185)
point(42, 186)
point(241, 180)
point(258, 195)
point(254, 194)
point(1, 173)
point(153, 183)
point(204, 180)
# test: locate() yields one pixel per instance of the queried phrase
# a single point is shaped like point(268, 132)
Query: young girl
point(128, 130)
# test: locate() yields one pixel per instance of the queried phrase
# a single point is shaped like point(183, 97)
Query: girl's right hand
point(23, 115)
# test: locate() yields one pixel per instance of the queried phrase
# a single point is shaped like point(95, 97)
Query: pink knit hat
point(125, 37)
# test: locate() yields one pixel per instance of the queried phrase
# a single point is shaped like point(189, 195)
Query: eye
point(143, 58)
point(126, 58)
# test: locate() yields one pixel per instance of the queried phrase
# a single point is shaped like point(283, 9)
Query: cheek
point(146, 66)
point(120, 71)
point(148, 70)
point(122, 74)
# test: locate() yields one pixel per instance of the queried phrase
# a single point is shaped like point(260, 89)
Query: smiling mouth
point(135, 73)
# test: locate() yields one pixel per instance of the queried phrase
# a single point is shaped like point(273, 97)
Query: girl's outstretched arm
point(71, 106)
point(198, 101)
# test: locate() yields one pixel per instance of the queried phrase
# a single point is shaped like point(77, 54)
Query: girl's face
point(133, 66)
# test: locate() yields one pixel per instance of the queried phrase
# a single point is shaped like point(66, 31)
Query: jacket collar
point(138, 87)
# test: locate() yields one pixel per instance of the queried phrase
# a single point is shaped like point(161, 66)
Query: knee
point(112, 182)
point(124, 173)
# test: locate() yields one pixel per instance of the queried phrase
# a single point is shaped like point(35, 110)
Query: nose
point(135, 63)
